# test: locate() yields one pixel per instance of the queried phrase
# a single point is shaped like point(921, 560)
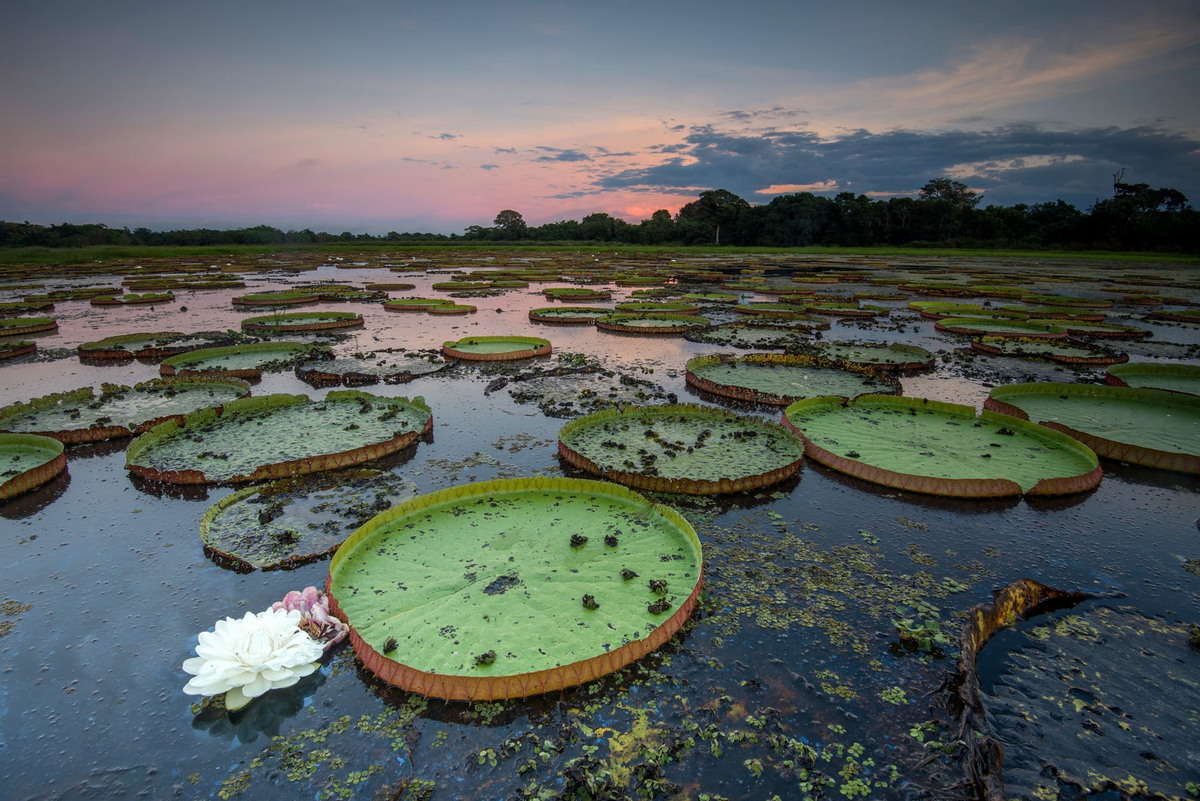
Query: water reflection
point(264, 715)
point(30, 503)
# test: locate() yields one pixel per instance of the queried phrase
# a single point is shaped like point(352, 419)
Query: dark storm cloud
point(1023, 163)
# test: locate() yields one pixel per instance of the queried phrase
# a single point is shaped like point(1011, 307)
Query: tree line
point(945, 213)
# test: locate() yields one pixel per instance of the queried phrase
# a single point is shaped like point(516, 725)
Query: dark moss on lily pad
point(81, 415)
point(244, 361)
point(294, 521)
point(277, 436)
point(682, 448)
point(780, 379)
point(389, 366)
point(301, 321)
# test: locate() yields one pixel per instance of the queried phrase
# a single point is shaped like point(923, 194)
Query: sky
point(407, 115)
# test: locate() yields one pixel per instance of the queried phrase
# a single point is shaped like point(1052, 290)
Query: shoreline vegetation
point(104, 253)
point(943, 219)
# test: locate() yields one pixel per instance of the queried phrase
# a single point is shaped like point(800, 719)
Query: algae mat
point(514, 587)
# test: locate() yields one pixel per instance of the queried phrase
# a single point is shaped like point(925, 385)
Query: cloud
point(558, 154)
point(489, 166)
point(1018, 163)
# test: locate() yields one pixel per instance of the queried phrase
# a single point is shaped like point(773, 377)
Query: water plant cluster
point(808, 663)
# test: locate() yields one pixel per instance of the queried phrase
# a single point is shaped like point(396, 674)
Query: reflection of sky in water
point(119, 584)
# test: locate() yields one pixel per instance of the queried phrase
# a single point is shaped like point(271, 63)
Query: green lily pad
point(895, 357)
point(27, 461)
point(17, 326)
point(1142, 426)
point(294, 521)
point(780, 379)
point(277, 436)
point(119, 411)
point(490, 349)
point(16, 347)
point(984, 326)
point(568, 314)
point(133, 299)
point(1172, 377)
point(243, 361)
point(517, 587)
point(941, 448)
point(392, 367)
point(650, 307)
point(156, 345)
point(1065, 352)
point(759, 336)
point(576, 294)
point(696, 450)
point(661, 323)
point(301, 321)
point(415, 304)
point(284, 297)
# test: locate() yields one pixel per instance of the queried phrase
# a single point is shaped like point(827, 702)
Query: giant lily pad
point(984, 326)
point(939, 448)
point(119, 411)
point(491, 349)
point(1172, 377)
point(1064, 352)
point(276, 436)
point(511, 588)
point(576, 294)
point(895, 357)
point(568, 314)
point(661, 323)
point(301, 321)
point(157, 345)
point(133, 299)
point(779, 379)
point(1141, 426)
point(17, 347)
point(392, 367)
point(243, 361)
point(764, 336)
point(284, 297)
point(27, 461)
point(18, 326)
point(415, 304)
point(294, 521)
point(696, 450)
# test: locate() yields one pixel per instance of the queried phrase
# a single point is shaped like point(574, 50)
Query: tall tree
point(510, 224)
point(713, 211)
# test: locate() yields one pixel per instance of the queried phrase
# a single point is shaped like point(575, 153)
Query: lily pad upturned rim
point(15, 326)
point(285, 469)
point(481, 688)
point(11, 350)
point(171, 365)
point(683, 486)
point(414, 304)
point(285, 298)
point(980, 326)
point(295, 321)
point(936, 485)
point(77, 436)
point(524, 348)
point(1001, 346)
point(751, 395)
point(109, 347)
point(1118, 374)
point(34, 477)
point(671, 323)
point(918, 358)
point(568, 315)
point(1103, 446)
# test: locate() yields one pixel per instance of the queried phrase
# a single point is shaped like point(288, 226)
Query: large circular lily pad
point(1064, 352)
point(941, 448)
point(696, 450)
point(795, 334)
point(18, 326)
point(984, 326)
point(301, 321)
point(80, 415)
point(661, 323)
point(277, 436)
point(780, 379)
point(27, 461)
point(491, 349)
point(568, 314)
point(157, 345)
point(390, 366)
point(512, 588)
point(243, 361)
point(1172, 377)
point(894, 357)
point(294, 521)
point(1142, 426)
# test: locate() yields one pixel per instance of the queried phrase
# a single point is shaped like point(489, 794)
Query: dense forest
point(945, 213)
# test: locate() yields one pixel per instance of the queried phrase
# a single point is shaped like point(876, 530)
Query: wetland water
point(790, 680)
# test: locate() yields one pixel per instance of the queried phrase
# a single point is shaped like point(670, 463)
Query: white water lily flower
point(246, 658)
